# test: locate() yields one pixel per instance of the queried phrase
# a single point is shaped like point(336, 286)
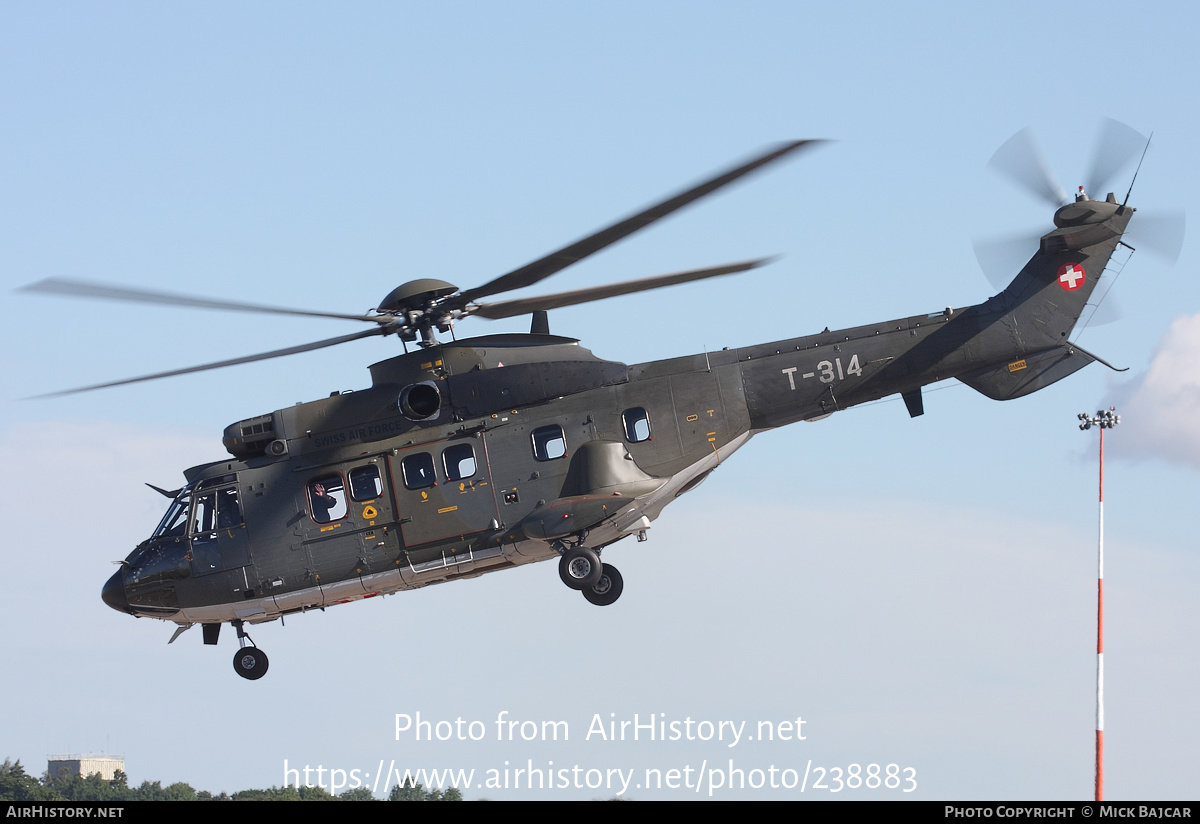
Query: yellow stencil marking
point(1017, 366)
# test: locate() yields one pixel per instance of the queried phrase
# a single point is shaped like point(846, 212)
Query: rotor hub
point(419, 304)
point(420, 294)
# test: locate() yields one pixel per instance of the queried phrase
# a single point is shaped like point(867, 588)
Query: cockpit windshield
point(216, 508)
point(174, 523)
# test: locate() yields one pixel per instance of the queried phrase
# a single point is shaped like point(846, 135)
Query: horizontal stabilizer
point(1006, 381)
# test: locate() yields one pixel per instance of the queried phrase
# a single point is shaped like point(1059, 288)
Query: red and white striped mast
point(1104, 419)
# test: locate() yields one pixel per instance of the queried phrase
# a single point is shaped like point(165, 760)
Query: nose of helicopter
point(113, 592)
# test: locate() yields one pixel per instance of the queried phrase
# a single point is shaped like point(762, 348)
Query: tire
point(608, 589)
point(250, 663)
point(579, 568)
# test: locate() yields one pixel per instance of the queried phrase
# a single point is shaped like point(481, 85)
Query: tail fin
point(1050, 293)
point(1040, 308)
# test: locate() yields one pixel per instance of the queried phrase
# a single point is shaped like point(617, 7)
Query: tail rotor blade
point(1159, 233)
point(1116, 147)
point(1022, 160)
point(1109, 311)
point(1001, 258)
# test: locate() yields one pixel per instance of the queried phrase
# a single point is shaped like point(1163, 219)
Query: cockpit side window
point(204, 516)
point(327, 498)
point(215, 514)
point(229, 511)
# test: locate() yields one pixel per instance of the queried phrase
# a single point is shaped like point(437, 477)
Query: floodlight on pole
point(1104, 419)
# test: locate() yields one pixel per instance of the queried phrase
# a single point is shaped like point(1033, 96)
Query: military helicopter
point(471, 456)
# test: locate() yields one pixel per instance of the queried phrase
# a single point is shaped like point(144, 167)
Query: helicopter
point(475, 455)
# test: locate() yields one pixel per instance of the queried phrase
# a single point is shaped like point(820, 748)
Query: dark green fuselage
point(482, 454)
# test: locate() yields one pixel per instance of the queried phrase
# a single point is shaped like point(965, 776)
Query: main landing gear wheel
point(250, 662)
point(608, 589)
point(579, 568)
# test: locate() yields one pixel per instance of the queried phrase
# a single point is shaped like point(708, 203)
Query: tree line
point(18, 785)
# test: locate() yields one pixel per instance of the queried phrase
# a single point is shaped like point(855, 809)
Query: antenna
point(1138, 169)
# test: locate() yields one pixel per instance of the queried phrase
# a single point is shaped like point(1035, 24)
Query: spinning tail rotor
point(1022, 161)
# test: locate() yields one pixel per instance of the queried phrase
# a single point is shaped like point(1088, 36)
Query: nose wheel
point(249, 662)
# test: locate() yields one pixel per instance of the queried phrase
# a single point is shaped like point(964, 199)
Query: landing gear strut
point(249, 662)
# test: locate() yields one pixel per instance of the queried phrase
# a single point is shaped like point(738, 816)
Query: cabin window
point(365, 483)
point(637, 424)
point(418, 471)
point(327, 498)
point(549, 443)
point(459, 461)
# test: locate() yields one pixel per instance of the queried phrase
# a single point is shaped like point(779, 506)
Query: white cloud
point(1160, 410)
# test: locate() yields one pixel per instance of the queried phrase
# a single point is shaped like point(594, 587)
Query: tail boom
point(1015, 343)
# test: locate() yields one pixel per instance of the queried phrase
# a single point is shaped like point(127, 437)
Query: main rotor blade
point(87, 289)
point(531, 273)
point(524, 306)
point(1116, 145)
point(1022, 160)
point(278, 353)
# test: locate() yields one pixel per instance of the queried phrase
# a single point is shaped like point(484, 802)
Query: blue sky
point(920, 591)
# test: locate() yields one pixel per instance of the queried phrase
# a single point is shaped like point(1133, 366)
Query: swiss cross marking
point(1071, 276)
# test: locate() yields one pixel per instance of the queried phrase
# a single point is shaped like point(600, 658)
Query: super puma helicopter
point(482, 454)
